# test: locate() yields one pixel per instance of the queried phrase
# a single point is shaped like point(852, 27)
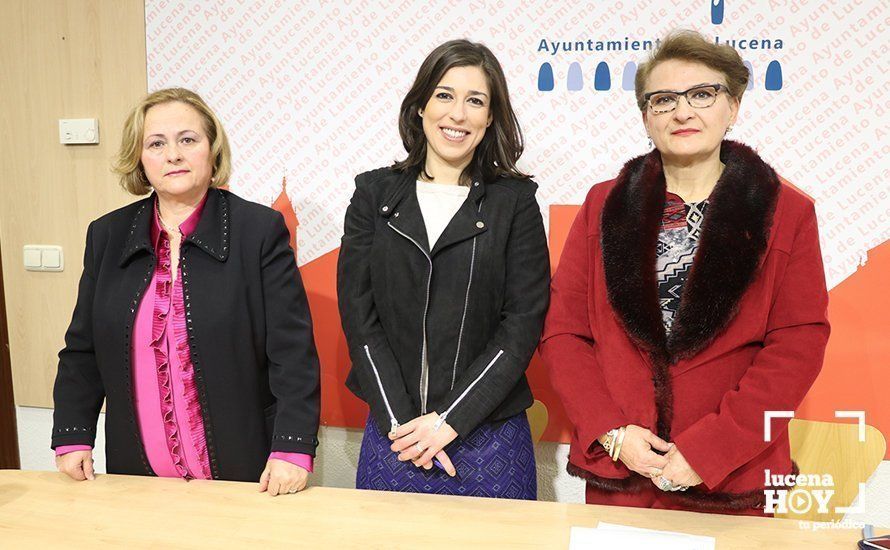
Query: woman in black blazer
point(442, 283)
point(191, 321)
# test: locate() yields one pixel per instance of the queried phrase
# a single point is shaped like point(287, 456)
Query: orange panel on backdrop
point(855, 375)
point(561, 218)
point(338, 406)
point(282, 204)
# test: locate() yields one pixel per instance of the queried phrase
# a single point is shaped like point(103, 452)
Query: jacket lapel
point(403, 212)
point(630, 222)
point(139, 237)
point(212, 233)
point(733, 241)
point(467, 222)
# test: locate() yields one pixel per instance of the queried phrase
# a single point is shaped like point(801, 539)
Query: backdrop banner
point(310, 92)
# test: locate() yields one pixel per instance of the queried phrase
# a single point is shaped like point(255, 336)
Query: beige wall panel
point(59, 59)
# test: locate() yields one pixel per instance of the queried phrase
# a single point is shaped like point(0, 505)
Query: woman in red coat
point(690, 298)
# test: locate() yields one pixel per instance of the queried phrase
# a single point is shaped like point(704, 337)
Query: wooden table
point(44, 509)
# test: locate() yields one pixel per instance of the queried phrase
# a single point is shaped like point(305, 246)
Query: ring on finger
point(664, 484)
point(419, 450)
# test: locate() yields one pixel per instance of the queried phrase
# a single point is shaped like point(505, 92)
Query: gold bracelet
point(613, 453)
point(616, 447)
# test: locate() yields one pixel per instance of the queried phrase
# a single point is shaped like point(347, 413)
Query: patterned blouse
point(681, 226)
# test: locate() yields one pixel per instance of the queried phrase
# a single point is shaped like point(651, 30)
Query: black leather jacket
point(473, 305)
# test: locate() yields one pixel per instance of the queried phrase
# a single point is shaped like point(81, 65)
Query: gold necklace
point(166, 226)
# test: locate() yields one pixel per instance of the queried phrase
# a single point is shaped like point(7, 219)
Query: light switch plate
point(77, 131)
point(32, 258)
point(51, 258)
point(43, 257)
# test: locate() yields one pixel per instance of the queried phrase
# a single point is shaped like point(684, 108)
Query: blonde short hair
point(128, 163)
point(691, 46)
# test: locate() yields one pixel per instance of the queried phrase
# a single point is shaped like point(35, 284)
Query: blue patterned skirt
point(495, 460)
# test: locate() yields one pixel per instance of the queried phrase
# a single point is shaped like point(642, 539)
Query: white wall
point(338, 455)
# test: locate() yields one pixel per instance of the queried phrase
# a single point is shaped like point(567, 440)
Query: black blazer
point(250, 334)
point(475, 302)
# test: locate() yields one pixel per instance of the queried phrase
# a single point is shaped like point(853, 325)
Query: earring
point(420, 113)
point(650, 141)
point(728, 130)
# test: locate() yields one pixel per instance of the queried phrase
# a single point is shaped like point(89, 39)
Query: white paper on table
point(625, 537)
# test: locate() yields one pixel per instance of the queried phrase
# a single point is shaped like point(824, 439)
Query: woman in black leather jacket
point(443, 280)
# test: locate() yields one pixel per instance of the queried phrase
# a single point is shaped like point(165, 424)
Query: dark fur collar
point(733, 241)
point(734, 237)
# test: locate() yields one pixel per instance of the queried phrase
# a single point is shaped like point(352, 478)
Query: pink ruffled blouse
point(167, 408)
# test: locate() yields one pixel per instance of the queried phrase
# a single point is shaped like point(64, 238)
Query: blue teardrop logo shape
point(545, 78)
point(627, 78)
point(717, 7)
point(602, 80)
point(774, 76)
point(576, 77)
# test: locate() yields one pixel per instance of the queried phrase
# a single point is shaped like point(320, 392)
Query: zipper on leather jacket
point(463, 316)
point(393, 423)
point(463, 394)
point(424, 364)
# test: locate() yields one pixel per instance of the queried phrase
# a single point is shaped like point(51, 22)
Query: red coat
point(749, 336)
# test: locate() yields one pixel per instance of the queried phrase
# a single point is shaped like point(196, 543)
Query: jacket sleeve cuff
point(380, 385)
point(294, 443)
point(461, 422)
point(590, 432)
point(302, 460)
point(487, 382)
point(402, 409)
point(65, 449)
point(79, 435)
point(586, 398)
point(465, 417)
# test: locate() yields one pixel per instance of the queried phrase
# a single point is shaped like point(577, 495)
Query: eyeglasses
point(699, 97)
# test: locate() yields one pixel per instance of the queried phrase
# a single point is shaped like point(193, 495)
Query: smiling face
point(176, 151)
point(456, 116)
point(686, 133)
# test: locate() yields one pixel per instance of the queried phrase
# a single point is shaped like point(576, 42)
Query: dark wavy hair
point(502, 145)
